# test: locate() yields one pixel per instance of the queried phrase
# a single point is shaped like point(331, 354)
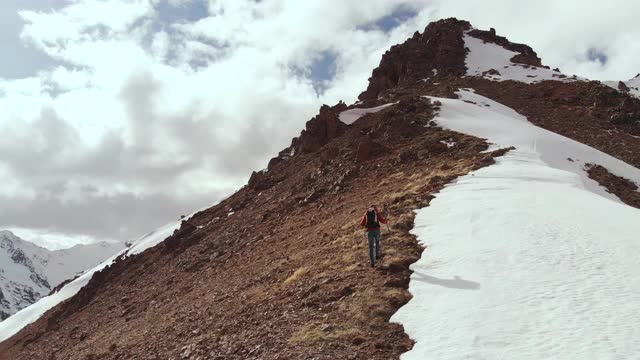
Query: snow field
point(527, 258)
point(350, 116)
point(483, 57)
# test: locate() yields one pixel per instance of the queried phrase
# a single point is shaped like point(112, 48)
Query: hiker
point(371, 220)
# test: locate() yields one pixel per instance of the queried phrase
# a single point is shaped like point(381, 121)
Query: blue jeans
point(374, 239)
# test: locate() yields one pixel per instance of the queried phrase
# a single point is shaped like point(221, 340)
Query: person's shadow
point(455, 283)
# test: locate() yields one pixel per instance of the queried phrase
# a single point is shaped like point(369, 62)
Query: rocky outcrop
point(625, 189)
point(369, 149)
point(259, 181)
point(623, 87)
point(319, 130)
point(437, 52)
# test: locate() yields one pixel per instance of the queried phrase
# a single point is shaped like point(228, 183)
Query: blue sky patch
point(20, 60)
point(323, 70)
point(595, 54)
point(190, 12)
point(391, 21)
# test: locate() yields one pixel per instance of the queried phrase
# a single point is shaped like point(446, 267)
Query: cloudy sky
point(117, 116)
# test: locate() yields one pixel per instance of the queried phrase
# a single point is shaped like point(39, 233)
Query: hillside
point(278, 270)
point(29, 272)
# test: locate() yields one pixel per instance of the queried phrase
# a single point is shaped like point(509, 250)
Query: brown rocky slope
point(279, 269)
point(285, 276)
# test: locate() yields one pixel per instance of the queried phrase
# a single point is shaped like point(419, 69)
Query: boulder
point(623, 87)
point(439, 48)
point(321, 129)
point(369, 149)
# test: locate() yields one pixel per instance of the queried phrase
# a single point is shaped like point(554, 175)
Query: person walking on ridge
point(371, 220)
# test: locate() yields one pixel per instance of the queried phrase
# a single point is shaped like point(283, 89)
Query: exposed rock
point(624, 119)
point(491, 72)
point(322, 128)
point(369, 149)
point(434, 147)
point(408, 155)
point(625, 189)
point(259, 181)
point(440, 49)
point(623, 87)
point(181, 237)
point(314, 195)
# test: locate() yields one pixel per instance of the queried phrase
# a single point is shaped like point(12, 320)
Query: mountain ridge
point(278, 269)
point(30, 271)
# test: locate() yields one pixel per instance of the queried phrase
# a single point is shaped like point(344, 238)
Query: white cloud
point(143, 120)
point(82, 21)
point(52, 240)
point(67, 79)
point(562, 32)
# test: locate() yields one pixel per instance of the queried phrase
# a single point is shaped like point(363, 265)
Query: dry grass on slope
point(286, 276)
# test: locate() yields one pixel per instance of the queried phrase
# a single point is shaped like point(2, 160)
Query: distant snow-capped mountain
point(632, 86)
point(29, 272)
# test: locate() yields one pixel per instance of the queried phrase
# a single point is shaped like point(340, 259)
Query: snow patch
point(484, 57)
point(28, 271)
point(155, 237)
point(350, 116)
point(449, 142)
point(526, 258)
point(26, 316)
point(633, 85)
point(503, 126)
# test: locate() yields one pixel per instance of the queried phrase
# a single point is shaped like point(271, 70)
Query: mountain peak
point(438, 53)
point(6, 234)
point(279, 269)
point(29, 271)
